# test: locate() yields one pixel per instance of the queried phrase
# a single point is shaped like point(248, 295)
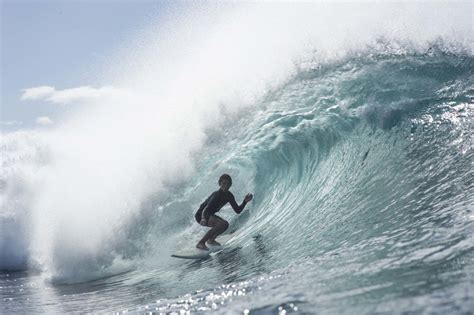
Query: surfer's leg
point(213, 223)
point(218, 225)
point(223, 225)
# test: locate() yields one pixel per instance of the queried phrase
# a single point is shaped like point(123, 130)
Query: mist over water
point(351, 124)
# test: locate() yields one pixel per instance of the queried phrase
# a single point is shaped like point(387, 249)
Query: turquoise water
point(359, 206)
point(361, 169)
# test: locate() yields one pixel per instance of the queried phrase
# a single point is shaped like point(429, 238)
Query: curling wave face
point(361, 168)
point(363, 194)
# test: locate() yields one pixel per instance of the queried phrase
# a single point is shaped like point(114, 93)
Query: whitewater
point(350, 123)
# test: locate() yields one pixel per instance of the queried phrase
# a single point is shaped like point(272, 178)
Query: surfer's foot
point(202, 246)
point(213, 242)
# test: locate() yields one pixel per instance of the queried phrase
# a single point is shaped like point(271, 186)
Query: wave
point(365, 151)
point(374, 149)
point(347, 143)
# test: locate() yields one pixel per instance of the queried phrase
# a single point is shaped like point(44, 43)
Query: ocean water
point(358, 150)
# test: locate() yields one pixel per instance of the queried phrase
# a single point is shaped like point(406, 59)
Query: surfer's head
point(225, 181)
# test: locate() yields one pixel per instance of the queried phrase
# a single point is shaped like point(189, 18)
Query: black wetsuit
point(215, 202)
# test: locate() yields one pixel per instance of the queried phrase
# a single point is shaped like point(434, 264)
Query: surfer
point(206, 214)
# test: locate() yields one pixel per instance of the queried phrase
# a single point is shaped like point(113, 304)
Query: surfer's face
point(224, 185)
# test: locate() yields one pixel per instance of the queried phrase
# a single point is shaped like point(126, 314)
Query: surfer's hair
point(225, 176)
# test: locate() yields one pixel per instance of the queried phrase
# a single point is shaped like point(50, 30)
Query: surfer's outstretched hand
point(248, 197)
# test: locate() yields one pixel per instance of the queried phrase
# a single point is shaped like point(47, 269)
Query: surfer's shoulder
point(216, 193)
point(230, 195)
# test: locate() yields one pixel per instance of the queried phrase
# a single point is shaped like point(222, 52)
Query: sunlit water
point(361, 167)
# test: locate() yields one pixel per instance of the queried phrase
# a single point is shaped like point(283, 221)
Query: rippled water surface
point(362, 171)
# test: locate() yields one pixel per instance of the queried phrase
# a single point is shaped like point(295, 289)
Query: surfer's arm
point(238, 209)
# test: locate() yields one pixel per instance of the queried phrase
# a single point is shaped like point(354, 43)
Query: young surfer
point(206, 214)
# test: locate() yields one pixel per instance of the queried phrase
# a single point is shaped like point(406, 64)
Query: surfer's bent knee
point(225, 224)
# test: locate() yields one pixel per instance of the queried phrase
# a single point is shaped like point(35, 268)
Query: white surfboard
point(192, 253)
point(196, 253)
